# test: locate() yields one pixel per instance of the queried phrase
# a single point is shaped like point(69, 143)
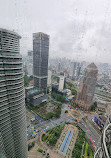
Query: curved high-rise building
point(13, 141)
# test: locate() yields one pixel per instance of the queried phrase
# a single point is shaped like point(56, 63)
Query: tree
point(74, 92)
point(26, 80)
point(30, 78)
point(66, 111)
point(40, 150)
point(52, 140)
point(49, 115)
point(94, 106)
point(47, 90)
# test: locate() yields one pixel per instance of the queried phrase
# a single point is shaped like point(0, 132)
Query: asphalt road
point(90, 131)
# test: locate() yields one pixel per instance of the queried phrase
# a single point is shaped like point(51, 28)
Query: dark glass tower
point(40, 60)
point(13, 141)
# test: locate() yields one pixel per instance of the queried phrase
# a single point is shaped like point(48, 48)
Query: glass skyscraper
point(13, 141)
point(40, 60)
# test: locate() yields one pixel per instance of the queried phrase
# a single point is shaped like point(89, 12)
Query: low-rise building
point(34, 97)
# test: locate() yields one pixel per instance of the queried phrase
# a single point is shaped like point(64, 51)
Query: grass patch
point(52, 135)
point(42, 112)
point(87, 151)
point(76, 153)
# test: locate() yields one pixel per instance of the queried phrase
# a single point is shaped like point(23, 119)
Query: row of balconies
point(12, 67)
point(10, 49)
point(15, 91)
point(5, 98)
point(11, 55)
point(3, 105)
point(10, 96)
point(9, 35)
point(14, 101)
point(10, 41)
point(17, 105)
point(15, 86)
point(13, 77)
point(8, 72)
point(18, 116)
point(2, 89)
point(14, 82)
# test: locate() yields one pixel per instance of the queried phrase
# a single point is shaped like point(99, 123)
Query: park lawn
point(76, 153)
point(52, 135)
point(86, 148)
point(87, 151)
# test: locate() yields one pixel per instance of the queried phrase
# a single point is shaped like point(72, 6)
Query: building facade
point(40, 59)
point(49, 78)
point(29, 63)
point(61, 83)
point(74, 70)
point(13, 141)
point(35, 97)
point(87, 87)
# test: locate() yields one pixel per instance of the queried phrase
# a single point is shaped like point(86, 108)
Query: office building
point(13, 141)
point(40, 60)
point(87, 87)
point(49, 78)
point(61, 83)
point(34, 97)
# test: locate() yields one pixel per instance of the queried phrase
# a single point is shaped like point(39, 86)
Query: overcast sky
point(78, 29)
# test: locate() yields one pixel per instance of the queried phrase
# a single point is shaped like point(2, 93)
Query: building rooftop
point(11, 32)
point(92, 66)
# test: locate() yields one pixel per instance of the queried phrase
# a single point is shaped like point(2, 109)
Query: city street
point(90, 131)
point(51, 123)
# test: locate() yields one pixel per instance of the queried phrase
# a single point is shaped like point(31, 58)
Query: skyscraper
point(87, 87)
point(74, 70)
point(40, 60)
point(61, 83)
point(13, 141)
point(29, 63)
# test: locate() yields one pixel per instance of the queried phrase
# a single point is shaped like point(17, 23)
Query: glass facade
point(40, 59)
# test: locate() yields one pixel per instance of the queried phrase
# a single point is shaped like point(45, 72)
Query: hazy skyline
point(78, 29)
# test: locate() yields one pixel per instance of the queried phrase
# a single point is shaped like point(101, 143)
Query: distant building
point(49, 78)
point(29, 63)
point(103, 108)
point(30, 56)
point(87, 87)
point(61, 83)
point(74, 70)
point(59, 67)
point(40, 60)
